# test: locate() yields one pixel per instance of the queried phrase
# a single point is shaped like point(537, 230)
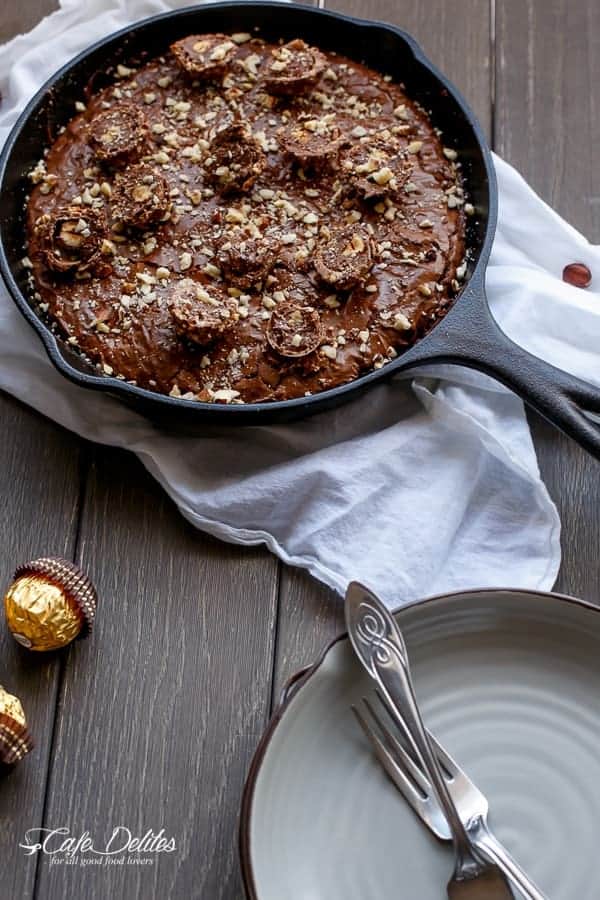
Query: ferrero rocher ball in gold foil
point(15, 740)
point(49, 603)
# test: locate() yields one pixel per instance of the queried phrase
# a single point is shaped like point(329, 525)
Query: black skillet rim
point(239, 413)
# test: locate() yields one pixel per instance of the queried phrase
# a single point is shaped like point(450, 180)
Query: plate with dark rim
point(509, 681)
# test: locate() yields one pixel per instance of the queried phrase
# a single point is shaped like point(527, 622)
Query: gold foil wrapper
point(11, 706)
point(39, 614)
point(50, 603)
point(15, 740)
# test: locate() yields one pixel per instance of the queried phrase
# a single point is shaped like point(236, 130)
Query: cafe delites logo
point(120, 847)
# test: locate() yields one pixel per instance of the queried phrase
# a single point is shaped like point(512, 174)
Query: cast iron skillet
point(468, 335)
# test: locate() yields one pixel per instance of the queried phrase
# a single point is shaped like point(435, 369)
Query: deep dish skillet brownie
point(238, 221)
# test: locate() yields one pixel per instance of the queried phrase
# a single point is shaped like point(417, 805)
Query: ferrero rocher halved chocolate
point(201, 313)
point(314, 144)
point(117, 135)
point(346, 258)
point(294, 68)
point(295, 331)
point(49, 603)
point(15, 740)
point(71, 239)
point(205, 57)
point(140, 196)
point(246, 257)
point(375, 167)
point(236, 159)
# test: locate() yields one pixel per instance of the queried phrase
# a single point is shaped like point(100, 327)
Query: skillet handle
point(469, 336)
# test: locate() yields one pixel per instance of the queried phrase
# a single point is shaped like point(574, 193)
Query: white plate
point(509, 681)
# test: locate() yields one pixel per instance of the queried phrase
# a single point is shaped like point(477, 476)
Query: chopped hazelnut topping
point(400, 322)
point(225, 395)
point(275, 221)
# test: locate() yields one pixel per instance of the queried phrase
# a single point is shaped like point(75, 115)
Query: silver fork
point(408, 776)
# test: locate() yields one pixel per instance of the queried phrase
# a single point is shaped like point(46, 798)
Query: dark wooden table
point(153, 722)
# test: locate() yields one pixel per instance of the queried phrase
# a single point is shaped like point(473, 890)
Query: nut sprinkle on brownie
point(238, 221)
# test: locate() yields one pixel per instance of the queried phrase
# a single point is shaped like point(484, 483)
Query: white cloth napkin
point(425, 485)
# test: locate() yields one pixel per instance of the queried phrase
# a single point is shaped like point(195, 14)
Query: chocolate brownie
point(238, 221)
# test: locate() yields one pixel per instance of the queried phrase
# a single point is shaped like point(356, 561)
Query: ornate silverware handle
point(380, 645)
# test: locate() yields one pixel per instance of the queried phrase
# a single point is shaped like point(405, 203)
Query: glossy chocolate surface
point(251, 230)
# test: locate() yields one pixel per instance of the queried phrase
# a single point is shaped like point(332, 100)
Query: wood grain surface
point(164, 706)
point(152, 722)
point(547, 125)
point(40, 484)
